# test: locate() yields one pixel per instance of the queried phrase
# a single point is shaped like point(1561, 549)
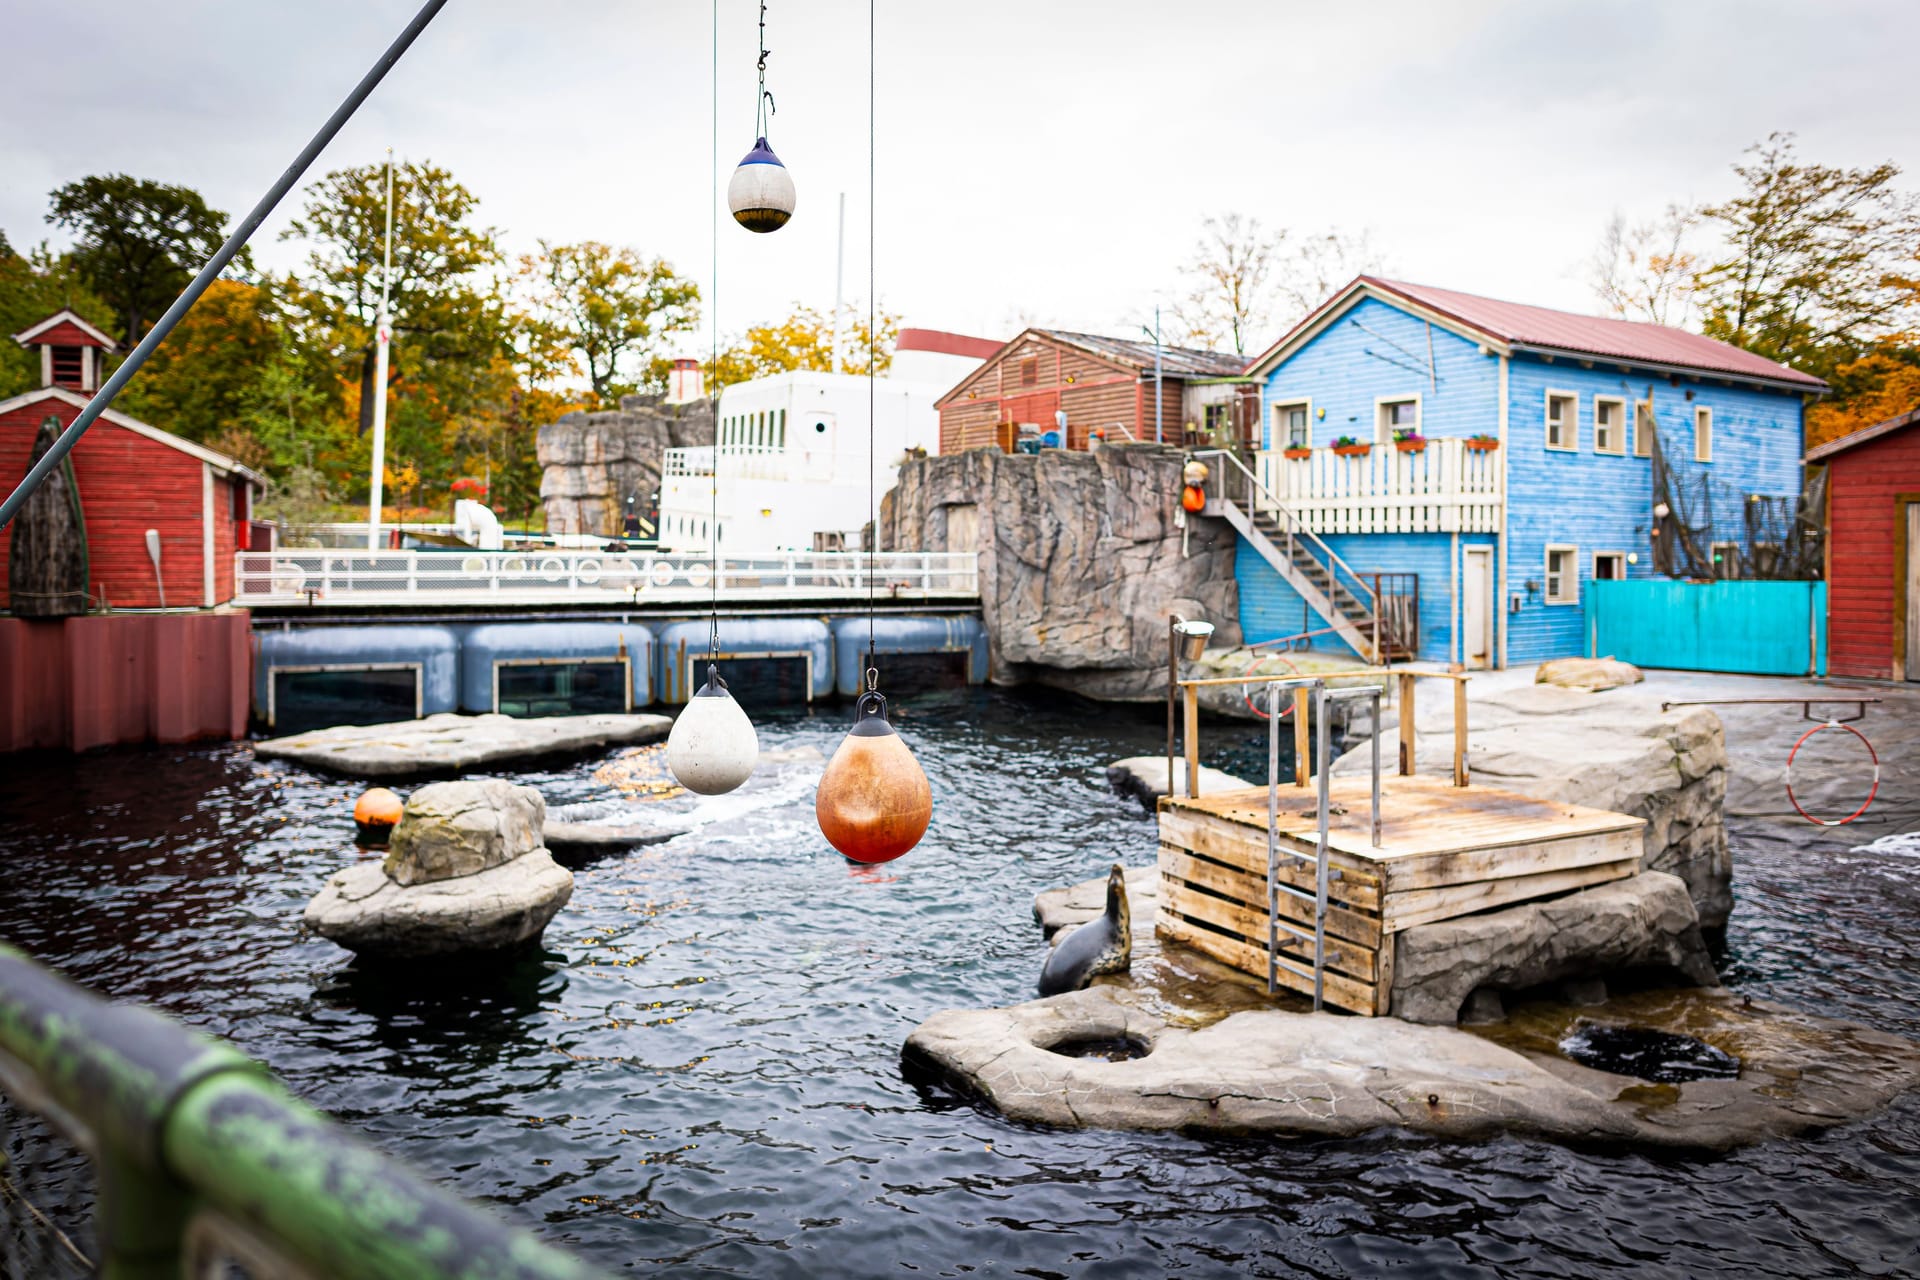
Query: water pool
point(701, 1072)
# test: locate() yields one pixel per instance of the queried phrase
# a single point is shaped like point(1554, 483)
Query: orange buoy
point(375, 814)
point(874, 803)
point(1193, 497)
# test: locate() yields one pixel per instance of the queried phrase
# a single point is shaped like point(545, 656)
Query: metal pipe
point(1376, 767)
point(1325, 747)
point(215, 265)
point(1273, 833)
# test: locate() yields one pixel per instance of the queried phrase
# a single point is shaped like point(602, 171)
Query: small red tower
point(72, 352)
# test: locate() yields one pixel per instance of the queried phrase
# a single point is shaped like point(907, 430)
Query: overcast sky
point(1039, 161)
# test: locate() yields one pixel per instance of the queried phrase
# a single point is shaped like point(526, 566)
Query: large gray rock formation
point(594, 462)
point(1081, 559)
point(1643, 922)
point(1613, 750)
point(448, 743)
point(465, 872)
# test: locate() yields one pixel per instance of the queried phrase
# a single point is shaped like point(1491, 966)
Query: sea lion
point(1103, 945)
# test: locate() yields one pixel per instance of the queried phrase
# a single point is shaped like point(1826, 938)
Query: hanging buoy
point(761, 193)
point(1195, 472)
point(1193, 498)
point(375, 814)
point(874, 803)
point(713, 747)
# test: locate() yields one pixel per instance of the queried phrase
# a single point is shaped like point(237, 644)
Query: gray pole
point(215, 265)
point(1158, 402)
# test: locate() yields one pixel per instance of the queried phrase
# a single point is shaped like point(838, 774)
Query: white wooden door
point(1913, 591)
point(1477, 592)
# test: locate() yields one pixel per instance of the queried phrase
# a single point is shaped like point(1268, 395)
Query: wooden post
point(1406, 726)
point(1302, 748)
point(1459, 733)
point(1192, 735)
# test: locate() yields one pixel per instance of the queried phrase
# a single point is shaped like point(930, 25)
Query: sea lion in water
point(1102, 945)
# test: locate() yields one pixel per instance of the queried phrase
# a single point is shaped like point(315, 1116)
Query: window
point(1563, 420)
point(781, 430)
point(1219, 422)
point(66, 366)
point(1703, 434)
point(1030, 371)
point(1643, 429)
point(1563, 575)
point(1401, 413)
point(1609, 424)
point(1293, 425)
point(1726, 559)
point(1610, 566)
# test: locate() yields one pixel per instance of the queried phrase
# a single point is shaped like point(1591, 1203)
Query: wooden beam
point(1302, 731)
point(1406, 725)
point(1460, 734)
point(1192, 743)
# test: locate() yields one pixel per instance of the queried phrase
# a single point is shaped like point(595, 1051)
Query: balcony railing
point(338, 577)
point(753, 461)
point(1446, 487)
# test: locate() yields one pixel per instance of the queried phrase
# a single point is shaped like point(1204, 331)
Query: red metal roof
point(1820, 453)
point(1516, 322)
point(947, 344)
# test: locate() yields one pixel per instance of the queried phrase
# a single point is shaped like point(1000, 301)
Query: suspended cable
point(873, 505)
point(713, 477)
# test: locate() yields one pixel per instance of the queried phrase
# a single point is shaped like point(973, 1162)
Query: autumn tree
point(1815, 262)
point(1646, 271)
point(449, 323)
point(804, 340)
point(138, 244)
point(32, 287)
point(1242, 277)
point(610, 309)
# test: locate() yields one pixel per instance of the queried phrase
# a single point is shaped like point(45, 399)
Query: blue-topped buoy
point(761, 193)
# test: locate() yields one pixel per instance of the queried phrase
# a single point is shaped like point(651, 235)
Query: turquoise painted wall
point(1758, 628)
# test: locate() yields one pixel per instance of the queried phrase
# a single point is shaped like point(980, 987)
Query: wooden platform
point(1445, 851)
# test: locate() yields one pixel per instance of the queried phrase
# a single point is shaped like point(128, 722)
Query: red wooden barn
point(133, 477)
point(1873, 549)
point(1104, 385)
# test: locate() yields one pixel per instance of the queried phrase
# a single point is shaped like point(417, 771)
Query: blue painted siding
point(1603, 502)
point(1343, 369)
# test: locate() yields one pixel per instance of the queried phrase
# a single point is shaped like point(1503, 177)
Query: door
point(1477, 622)
point(1913, 591)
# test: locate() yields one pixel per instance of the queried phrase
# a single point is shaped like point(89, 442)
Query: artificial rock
point(362, 909)
point(452, 829)
point(592, 463)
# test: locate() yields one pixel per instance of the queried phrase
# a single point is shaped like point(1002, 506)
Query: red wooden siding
point(1865, 487)
point(128, 484)
point(65, 334)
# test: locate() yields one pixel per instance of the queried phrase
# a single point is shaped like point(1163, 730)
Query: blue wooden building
point(1442, 475)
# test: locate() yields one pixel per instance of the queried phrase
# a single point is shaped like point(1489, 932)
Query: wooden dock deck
point(1445, 850)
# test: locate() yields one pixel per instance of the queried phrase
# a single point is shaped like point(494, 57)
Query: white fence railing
point(1445, 488)
point(339, 577)
point(755, 461)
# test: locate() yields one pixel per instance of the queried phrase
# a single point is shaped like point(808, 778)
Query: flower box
point(1482, 444)
point(1296, 454)
point(1415, 445)
point(1353, 450)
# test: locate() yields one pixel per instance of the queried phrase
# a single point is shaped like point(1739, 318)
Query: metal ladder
point(1323, 874)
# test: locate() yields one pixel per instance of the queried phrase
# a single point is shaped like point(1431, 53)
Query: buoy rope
point(713, 479)
point(873, 505)
point(763, 107)
point(1871, 791)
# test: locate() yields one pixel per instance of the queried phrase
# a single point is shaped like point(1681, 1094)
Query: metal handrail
point(203, 1157)
point(1291, 523)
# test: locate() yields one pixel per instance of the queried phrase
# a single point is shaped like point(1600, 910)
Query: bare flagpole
point(382, 341)
point(216, 264)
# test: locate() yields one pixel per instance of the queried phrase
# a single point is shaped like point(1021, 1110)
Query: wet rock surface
point(448, 743)
point(593, 462)
point(453, 829)
point(1081, 559)
point(365, 910)
point(1145, 778)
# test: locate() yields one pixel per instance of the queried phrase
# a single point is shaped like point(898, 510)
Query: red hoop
point(1247, 697)
point(1871, 793)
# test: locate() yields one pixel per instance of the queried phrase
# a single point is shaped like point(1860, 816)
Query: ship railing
point(135, 1147)
point(334, 577)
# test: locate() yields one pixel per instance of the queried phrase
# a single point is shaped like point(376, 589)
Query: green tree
point(1815, 260)
point(804, 340)
point(608, 309)
point(449, 323)
point(137, 243)
point(33, 287)
point(198, 382)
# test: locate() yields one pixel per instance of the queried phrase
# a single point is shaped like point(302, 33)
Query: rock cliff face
point(594, 462)
point(1081, 559)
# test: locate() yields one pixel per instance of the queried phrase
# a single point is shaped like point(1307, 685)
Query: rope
point(763, 107)
point(713, 608)
point(873, 505)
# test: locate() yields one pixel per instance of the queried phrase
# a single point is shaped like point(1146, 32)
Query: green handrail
point(185, 1131)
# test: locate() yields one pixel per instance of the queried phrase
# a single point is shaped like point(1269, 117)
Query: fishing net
point(1706, 528)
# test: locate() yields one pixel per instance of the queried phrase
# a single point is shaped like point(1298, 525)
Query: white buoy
point(713, 747)
point(761, 195)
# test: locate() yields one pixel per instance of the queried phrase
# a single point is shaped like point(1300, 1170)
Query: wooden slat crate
point(1445, 851)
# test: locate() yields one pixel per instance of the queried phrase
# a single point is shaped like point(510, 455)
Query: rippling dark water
point(702, 1072)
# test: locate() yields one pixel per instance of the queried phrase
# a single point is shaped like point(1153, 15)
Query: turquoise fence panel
point(1754, 628)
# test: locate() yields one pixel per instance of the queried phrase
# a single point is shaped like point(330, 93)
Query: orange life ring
point(1193, 498)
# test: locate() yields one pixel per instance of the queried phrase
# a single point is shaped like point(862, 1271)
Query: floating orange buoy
point(874, 803)
point(1193, 497)
point(375, 814)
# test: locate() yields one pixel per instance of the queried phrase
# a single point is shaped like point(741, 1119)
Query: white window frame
point(1620, 449)
point(1382, 431)
point(1619, 556)
point(1573, 566)
point(1713, 553)
point(1702, 440)
point(1280, 408)
point(1572, 445)
point(1639, 442)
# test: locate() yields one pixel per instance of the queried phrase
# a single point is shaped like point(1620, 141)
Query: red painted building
point(1873, 549)
point(133, 477)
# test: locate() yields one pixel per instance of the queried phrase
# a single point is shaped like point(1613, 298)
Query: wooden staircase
point(1379, 629)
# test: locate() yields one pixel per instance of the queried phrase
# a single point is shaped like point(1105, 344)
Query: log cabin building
point(1102, 389)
